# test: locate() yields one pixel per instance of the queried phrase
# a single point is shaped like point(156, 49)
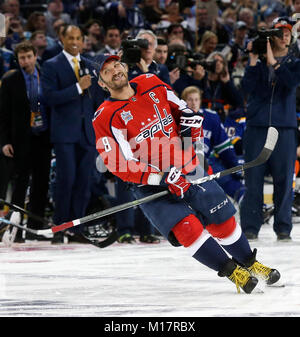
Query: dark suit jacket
point(70, 111)
point(15, 113)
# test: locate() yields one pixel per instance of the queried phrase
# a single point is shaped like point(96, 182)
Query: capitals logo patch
point(126, 116)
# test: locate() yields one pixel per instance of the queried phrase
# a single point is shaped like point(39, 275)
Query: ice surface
point(38, 279)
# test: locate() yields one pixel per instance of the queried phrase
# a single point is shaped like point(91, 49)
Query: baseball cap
point(101, 59)
point(283, 22)
point(240, 25)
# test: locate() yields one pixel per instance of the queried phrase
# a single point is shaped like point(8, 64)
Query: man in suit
point(73, 100)
point(112, 41)
point(24, 133)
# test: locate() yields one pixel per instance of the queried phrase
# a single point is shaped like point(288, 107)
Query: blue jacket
point(272, 103)
point(70, 112)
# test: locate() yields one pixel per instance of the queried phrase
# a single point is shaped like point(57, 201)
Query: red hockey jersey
point(139, 136)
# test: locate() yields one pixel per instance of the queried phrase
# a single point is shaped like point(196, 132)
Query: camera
point(197, 59)
point(132, 50)
point(259, 44)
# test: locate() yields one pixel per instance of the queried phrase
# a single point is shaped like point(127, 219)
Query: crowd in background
point(198, 44)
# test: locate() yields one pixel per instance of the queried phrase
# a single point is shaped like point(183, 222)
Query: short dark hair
point(64, 31)
point(161, 42)
point(35, 33)
point(24, 47)
point(112, 28)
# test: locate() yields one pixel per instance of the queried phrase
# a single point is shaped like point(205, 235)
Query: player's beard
point(119, 85)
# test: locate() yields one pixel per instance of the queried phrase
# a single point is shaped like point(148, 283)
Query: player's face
point(114, 75)
point(193, 101)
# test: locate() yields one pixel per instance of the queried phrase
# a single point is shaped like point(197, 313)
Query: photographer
point(181, 61)
point(218, 87)
point(146, 63)
point(270, 80)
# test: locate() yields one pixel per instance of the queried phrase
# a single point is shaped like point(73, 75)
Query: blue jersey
point(216, 142)
point(235, 128)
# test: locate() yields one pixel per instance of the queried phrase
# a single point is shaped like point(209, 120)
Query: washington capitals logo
point(126, 116)
point(160, 125)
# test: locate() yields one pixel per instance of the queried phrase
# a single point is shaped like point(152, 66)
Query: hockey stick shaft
point(266, 152)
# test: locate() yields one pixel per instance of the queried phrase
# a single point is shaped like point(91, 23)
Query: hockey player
point(137, 128)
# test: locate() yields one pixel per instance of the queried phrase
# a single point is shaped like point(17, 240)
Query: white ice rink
point(38, 279)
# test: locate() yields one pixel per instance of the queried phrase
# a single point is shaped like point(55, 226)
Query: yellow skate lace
point(258, 269)
point(240, 277)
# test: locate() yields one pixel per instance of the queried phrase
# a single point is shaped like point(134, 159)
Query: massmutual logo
point(2, 25)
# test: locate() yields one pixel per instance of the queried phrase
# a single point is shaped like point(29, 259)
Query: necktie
point(33, 94)
point(76, 68)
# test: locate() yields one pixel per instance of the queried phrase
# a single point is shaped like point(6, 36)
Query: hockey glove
point(191, 125)
point(177, 184)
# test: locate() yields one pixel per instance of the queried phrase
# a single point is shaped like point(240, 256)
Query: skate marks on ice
point(38, 279)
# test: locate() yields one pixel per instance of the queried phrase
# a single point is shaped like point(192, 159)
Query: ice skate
point(257, 269)
point(240, 276)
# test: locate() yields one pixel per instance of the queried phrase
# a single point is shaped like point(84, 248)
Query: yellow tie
point(76, 68)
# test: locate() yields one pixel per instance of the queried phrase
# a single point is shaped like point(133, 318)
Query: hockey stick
point(110, 236)
point(266, 152)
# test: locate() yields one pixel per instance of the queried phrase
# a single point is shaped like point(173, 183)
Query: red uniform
point(140, 136)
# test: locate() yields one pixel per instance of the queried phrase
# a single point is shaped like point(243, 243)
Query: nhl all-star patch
point(126, 116)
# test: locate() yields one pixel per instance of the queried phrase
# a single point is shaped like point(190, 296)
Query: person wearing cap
point(145, 114)
point(270, 83)
point(70, 87)
point(238, 43)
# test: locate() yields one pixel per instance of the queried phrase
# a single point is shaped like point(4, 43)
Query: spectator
point(93, 30)
point(73, 101)
point(37, 21)
point(270, 84)
point(39, 41)
point(176, 31)
point(24, 132)
point(55, 11)
point(161, 51)
point(238, 43)
point(147, 64)
point(125, 14)
point(172, 14)
point(152, 12)
point(13, 7)
point(225, 25)
point(208, 43)
point(112, 41)
point(247, 15)
point(15, 32)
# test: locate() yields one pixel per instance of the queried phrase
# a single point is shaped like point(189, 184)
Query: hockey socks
point(210, 253)
point(230, 236)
